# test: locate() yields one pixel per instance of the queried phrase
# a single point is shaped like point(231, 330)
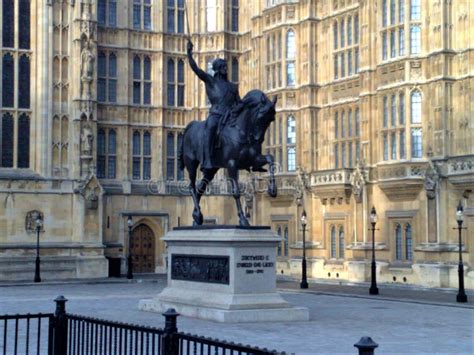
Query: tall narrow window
point(112, 13)
point(385, 147)
point(147, 15)
point(336, 156)
point(349, 122)
point(107, 12)
point(393, 111)
point(401, 105)
point(180, 146)
point(356, 29)
point(343, 33)
point(349, 63)
point(112, 78)
point(349, 31)
point(393, 141)
point(384, 13)
point(401, 41)
point(335, 34)
point(356, 60)
point(235, 70)
point(211, 15)
point(393, 48)
point(279, 249)
point(415, 39)
point(343, 65)
point(341, 243)
point(343, 155)
point(401, 11)
point(415, 10)
point(8, 30)
point(357, 122)
point(290, 57)
point(147, 81)
point(180, 83)
point(336, 126)
point(146, 155)
point(101, 77)
point(112, 155)
point(291, 143)
point(136, 156)
point(357, 151)
point(286, 241)
point(137, 68)
point(24, 9)
point(23, 159)
point(384, 45)
point(171, 11)
point(415, 107)
point(101, 153)
point(336, 67)
point(181, 10)
point(24, 82)
point(290, 74)
point(398, 242)
point(392, 12)
point(137, 14)
point(333, 242)
point(235, 15)
point(408, 242)
point(416, 143)
point(170, 161)
point(8, 79)
point(349, 144)
point(7, 141)
point(402, 145)
point(171, 82)
point(385, 112)
point(343, 124)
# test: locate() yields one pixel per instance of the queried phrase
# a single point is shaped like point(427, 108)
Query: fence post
point(366, 346)
point(60, 327)
point(170, 340)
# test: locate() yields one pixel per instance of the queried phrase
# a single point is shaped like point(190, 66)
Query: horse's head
point(263, 113)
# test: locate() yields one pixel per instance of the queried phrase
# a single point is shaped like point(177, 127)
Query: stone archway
point(143, 249)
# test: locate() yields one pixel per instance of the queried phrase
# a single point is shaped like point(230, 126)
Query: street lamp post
point(461, 296)
point(39, 225)
point(129, 258)
point(304, 281)
point(373, 284)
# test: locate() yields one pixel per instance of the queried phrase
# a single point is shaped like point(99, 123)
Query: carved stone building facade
point(374, 109)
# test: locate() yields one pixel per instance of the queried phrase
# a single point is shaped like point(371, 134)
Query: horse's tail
point(181, 149)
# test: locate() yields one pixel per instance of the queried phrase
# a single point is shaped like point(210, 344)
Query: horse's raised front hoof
point(272, 190)
point(198, 218)
point(244, 222)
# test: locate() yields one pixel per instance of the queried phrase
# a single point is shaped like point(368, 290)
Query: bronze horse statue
point(239, 147)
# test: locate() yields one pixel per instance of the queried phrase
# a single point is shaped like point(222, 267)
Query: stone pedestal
point(224, 274)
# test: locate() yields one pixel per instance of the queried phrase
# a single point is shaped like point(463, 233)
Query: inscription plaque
point(200, 268)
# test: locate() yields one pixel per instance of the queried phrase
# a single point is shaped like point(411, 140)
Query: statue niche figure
point(230, 138)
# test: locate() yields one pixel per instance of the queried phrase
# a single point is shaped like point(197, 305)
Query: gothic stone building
point(374, 109)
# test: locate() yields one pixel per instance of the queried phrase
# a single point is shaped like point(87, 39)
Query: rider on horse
point(224, 98)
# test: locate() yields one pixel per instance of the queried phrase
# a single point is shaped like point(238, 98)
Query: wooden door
point(143, 249)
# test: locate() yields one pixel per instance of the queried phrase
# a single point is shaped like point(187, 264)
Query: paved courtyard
point(336, 322)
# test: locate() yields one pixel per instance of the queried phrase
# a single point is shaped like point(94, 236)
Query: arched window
point(393, 116)
point(336, 125)
point(137, 76)
point(8, 30)
point(24, 39)
point(24, 82)
point(290, 45)
point(170, 156)
point(415, 39)
point(335, 33)
point(180, 83)
point(180, 146)
point(8, 79)
point(398, 242)
point(280, 242)
point(333, 242)
point(408, 242)
point(146, 156)
point(147, 80)
point(235, 70)
point(291, 143)
point(385, 112)
point(7, 141)
point(136, 168)
point(415, 102)
point(101, 153)
point(341, 243)
point(23, 159)
point(111, 155)
point(349, 31)
point(415, 10)
point(171, 82)
point(286, 242)
point(401, 105)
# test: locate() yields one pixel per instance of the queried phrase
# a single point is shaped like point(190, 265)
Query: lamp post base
point(373, 290)
point(37, 270)
point(304, 281)
point(461, 298)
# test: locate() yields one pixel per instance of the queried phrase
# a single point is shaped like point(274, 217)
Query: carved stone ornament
point(30, 220)
point(87, 69)
point(200, 268)
point(431, 181)
point(91, 190)
point(358, 183)
point(87, 140)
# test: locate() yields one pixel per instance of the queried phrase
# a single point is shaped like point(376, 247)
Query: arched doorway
point(143, 249)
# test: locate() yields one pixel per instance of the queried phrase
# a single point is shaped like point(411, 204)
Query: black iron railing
point(26, 333)
point(62, 334)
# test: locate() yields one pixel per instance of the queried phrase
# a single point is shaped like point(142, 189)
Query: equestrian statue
point(230, 138)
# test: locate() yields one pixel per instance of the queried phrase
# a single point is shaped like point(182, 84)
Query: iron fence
point(69, 334)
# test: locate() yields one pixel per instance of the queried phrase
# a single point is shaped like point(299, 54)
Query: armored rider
point(223, 96)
